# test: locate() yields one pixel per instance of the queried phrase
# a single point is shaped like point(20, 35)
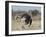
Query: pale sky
point(25, 8)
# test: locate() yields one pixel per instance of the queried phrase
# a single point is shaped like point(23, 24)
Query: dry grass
point(36, 25)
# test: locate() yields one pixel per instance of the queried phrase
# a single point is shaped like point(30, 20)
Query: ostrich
point(28, 19)
point(23, 22)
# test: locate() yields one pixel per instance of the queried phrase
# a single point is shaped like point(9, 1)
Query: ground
point(36, 24)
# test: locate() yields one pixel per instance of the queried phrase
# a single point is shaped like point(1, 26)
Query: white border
point(31, 31)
